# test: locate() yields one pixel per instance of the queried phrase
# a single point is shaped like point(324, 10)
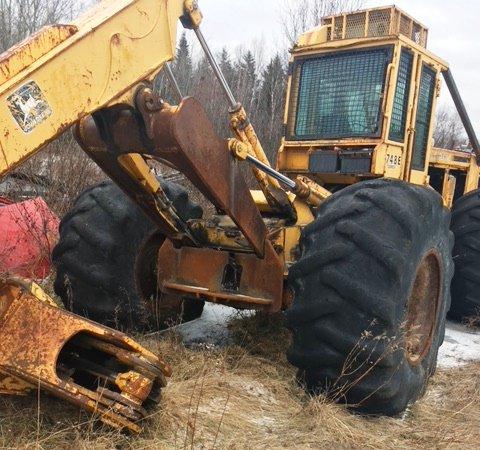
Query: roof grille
point(377, 22)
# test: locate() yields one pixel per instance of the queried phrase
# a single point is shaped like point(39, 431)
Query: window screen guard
point(424, 115)
point(402, 93)
point(340, 94)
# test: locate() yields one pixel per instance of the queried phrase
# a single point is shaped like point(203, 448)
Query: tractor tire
point(371, 293)
point(95, 258)
point(466, 255)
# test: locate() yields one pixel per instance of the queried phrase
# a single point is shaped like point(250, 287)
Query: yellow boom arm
point(66, 72)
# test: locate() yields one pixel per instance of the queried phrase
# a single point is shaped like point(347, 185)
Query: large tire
point(378, 254)
point(466, 255)
point(100, 239)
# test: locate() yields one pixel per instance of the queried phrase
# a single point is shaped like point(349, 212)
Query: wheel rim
point(422, 309)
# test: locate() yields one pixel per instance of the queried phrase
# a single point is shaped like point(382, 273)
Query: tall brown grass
point(245, 396)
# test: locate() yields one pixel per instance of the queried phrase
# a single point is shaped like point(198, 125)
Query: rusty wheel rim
point(422, 309)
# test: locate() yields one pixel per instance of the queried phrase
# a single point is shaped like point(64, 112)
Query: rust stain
point(43, 344)
point(20, 56)
point(116, 39)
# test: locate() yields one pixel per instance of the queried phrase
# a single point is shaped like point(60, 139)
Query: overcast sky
point(453, 26)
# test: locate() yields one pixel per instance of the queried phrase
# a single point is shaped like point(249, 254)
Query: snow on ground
point(211, 328)
point(461, 345)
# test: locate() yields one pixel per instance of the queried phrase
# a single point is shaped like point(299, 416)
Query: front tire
point(372, 290)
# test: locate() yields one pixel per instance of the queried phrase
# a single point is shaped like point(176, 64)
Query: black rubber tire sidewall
point(360, 259)
point(95, 257)
point(466, 255)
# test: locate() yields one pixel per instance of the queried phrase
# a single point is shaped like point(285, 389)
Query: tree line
point(259, 83)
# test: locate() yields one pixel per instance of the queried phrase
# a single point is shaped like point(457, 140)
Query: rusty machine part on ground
point(353, 152)
point(94, 367)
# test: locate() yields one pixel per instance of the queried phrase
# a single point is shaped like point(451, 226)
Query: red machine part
point(28, 233)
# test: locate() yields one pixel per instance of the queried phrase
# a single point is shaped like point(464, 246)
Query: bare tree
point(21, 18)
point(59, 173)
point(298, 16)
point(449, 132)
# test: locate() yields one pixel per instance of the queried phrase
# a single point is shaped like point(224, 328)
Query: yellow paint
point(390, 159)
point(132, 41)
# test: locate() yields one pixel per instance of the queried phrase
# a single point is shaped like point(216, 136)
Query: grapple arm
point(89, 365)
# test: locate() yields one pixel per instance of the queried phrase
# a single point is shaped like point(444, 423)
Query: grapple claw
point(87, 364)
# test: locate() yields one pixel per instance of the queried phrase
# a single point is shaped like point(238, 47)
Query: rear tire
point(466, 255)
point(372, 290)
point(100, 239)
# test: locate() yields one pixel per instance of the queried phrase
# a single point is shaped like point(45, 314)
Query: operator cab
point(361, 100)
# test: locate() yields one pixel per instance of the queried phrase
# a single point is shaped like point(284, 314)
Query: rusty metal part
point(422, 309)
point(185, 137)
point(239, 280)
point(113, 138)
point(91, 366)
point(311, 192)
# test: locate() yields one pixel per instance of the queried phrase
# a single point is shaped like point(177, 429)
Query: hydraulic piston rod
point(462, 111)
point(216, 69)
point(303, 187)
point(271, 172)
point(173, 82)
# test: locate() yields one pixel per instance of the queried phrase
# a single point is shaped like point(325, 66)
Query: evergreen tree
point(227, 67)
point(271, 105)
point(247, 81)
point(183, 67)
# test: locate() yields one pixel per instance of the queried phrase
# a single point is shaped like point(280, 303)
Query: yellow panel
point(472, 176)
point(118, 44)
point(19, 57)
point(417, 177)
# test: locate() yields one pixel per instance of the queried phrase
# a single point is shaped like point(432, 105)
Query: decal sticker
point(393, 161)
point(28, 106)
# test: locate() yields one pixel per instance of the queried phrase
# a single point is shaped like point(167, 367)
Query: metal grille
point(340, 94)
point(379, 23)
point(405, 25)
point(329, 31)
point(424, 115)
point(402, 93)
point(356, 25)
point(338, 28)
point(419, 35)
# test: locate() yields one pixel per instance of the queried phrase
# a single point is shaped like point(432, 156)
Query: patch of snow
point(461, 346)
point(211, 328)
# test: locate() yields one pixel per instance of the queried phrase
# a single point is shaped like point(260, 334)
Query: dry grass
point(244, 396)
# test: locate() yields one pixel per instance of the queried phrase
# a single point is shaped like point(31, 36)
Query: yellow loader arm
point(47, 84)
point(64, 73)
